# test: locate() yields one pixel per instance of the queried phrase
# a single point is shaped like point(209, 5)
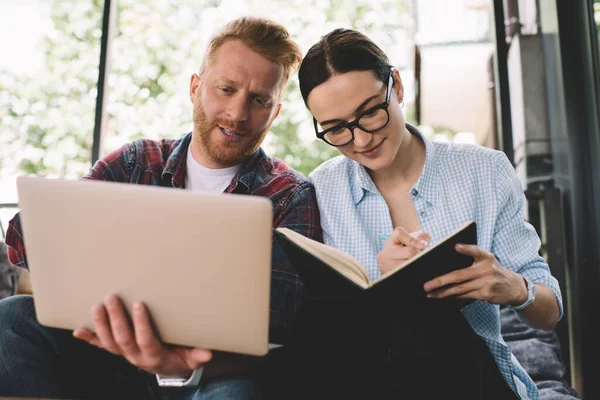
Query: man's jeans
point(36, 361)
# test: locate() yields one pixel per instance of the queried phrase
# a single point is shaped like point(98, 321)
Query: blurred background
point(49, 76)
point(79, 78)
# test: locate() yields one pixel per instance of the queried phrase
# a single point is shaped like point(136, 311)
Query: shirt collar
point(362, 182)
point(426, 186)
point(428, 183)
point(175, 169)
point(246, 176)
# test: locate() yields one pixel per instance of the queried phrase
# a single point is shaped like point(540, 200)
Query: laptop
point(201, 263)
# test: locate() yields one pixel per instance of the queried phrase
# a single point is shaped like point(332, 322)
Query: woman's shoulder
point(330, 170)
point(460, 155)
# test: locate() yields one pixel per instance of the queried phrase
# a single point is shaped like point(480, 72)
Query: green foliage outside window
point(47, 120)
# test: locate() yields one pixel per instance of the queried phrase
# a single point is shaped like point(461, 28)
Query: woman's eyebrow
point(357, 111)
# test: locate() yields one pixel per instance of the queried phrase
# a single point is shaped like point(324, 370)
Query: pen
point(385, 237)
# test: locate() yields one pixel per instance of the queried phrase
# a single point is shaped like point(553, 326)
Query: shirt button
point(414, 192)
point(423, 214)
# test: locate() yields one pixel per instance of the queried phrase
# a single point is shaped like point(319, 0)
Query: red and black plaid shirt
point(163, 163)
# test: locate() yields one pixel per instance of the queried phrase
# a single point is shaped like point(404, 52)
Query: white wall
point(454, 88)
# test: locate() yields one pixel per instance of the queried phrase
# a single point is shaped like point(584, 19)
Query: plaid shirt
point(163, 163)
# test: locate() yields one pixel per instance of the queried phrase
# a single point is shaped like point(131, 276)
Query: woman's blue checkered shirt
point(459, 183)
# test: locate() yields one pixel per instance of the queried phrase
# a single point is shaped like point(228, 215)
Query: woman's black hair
point(340, 51)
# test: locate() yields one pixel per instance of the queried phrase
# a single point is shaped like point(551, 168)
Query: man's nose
point(238, 108)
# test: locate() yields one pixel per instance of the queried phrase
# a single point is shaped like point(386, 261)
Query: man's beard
point(225, 153)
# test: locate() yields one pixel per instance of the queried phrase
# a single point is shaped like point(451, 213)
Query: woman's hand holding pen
point(399, 247)
point(485, 280)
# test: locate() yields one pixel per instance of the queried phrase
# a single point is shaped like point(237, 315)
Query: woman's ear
point(398, 87)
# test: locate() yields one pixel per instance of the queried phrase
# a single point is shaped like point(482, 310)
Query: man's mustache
point(236, 126)
point(230, 124)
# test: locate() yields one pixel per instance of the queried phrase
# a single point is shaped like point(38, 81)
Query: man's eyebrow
point(358, 110)
point(227, 81)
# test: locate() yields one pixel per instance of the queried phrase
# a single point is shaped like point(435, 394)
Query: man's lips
point(230, 132)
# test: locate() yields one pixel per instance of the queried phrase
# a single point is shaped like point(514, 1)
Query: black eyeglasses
point(371, 120)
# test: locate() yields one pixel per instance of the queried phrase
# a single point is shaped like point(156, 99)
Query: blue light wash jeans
point(36, 361)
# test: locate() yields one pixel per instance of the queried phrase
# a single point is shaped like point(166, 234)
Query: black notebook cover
point(405, 285)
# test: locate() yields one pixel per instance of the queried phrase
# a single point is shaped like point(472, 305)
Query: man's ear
point(398, 87)
point(277, 111)
point(194, 84)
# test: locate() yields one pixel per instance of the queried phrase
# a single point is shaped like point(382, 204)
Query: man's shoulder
point(275, 173)
point(133, 161)
point(151, 149)
point(144, 148)
point(154, 155)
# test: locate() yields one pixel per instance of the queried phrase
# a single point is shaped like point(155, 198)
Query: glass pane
point(48, 76)
point(445, 21)
point(455, 50)
point(597, 17)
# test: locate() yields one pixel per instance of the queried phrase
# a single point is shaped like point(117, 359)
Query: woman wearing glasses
point(390, 180)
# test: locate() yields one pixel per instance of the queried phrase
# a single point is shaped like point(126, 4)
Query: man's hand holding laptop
point(136, 341)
